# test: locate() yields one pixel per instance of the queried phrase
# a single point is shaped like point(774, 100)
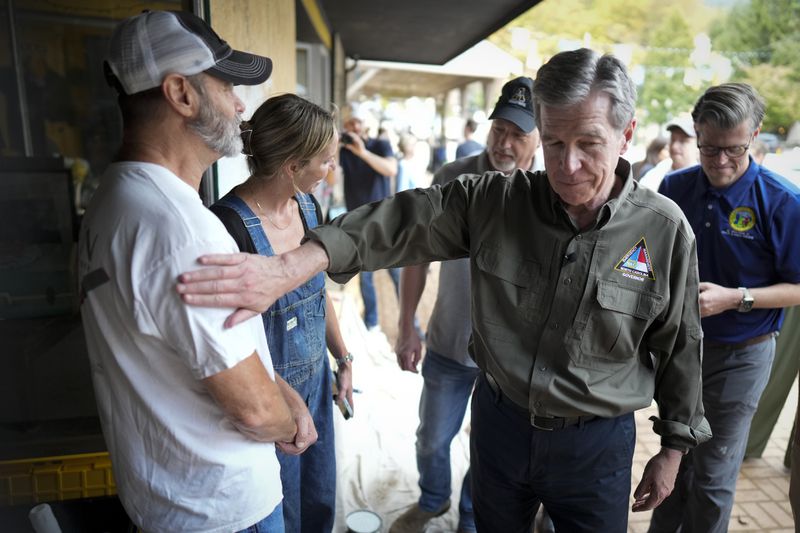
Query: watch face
point(746, 304)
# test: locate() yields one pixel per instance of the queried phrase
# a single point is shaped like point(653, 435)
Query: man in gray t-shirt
point(448, 371)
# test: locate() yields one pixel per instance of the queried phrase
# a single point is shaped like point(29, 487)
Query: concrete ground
point(375, 450)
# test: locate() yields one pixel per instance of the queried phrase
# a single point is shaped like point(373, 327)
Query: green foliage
point(779, 88)
point(664, 93)
point(760, 37)
point(763, 36)
point(661, 32)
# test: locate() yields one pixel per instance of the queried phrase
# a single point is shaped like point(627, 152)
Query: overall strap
point(308, 209)
point(251, 222)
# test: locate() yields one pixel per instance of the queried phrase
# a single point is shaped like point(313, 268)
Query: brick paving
point(762, 490)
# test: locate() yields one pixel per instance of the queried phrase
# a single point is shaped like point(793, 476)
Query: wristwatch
point(746, 303)
point(346, 358)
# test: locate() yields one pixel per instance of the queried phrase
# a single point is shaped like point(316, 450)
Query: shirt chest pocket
point(509, 283)
point(618, 319)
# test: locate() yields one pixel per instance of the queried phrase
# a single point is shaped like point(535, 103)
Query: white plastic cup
point(43, 520)
point(363, 521)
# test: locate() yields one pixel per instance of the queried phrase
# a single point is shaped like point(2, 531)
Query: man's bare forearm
point(412, 284)
point(252, 401)
point(303, 262)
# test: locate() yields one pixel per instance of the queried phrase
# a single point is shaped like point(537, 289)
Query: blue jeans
point(273, 523)
point(733, 380)
point(367, 286)
point(582, 473)
point(445, 393)
point(309, 479)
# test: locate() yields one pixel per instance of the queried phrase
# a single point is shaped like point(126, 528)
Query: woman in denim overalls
point(291, 146)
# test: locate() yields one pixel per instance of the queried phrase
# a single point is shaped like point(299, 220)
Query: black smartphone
point(347, 138)
point(344, 407)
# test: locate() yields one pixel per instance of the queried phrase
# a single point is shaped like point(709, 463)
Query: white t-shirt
point(653, 177)
point(179, 464)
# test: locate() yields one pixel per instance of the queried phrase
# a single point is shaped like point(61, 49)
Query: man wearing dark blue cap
point(190, 411)
point(448, 371)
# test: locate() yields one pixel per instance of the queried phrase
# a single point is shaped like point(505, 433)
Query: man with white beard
point(190, 410)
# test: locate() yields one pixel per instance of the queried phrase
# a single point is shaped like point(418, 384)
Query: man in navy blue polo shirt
point(368, 166)
point(745, 219)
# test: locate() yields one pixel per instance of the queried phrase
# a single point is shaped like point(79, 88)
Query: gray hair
point(570, 77)
point(728, 105)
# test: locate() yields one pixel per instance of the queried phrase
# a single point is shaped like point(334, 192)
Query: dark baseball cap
point(147, 47)
point(516, 104)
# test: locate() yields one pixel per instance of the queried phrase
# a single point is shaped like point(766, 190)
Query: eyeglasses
point(730, 151)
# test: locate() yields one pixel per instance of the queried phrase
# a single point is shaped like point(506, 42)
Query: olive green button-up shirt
point(568, 322)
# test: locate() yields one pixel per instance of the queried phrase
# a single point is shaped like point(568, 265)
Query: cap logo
point(520, 97)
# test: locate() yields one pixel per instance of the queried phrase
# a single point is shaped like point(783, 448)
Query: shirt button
point(554, 325)
point(542, 368)
point(578, 237)
point(708, 224)
point(710, 207)
point(567, 281)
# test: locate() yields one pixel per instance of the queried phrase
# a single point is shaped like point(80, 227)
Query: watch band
point(746, 303)
point(346, 358)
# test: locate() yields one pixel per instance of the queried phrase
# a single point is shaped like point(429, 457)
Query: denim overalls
point(295, 328)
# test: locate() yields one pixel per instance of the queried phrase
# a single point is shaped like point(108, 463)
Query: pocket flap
point(641, 304)
point(507, 266)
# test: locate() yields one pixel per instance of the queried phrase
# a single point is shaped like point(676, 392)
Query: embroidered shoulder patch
point(636, 262)
point(742, 219)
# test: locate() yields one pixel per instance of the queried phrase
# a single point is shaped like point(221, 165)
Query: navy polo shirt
point(748, 235)
point(361, 183)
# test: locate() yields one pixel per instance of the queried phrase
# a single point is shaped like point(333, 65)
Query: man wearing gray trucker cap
point(190, 411)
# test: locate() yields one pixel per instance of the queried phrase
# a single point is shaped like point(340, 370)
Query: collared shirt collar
point(484, 165)
point(608, 209)
point(734, 193)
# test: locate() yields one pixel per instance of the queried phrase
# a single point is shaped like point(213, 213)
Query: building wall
point(265, 27)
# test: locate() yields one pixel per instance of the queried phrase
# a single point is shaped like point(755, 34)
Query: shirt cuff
point(678, 436)
point(343, 256)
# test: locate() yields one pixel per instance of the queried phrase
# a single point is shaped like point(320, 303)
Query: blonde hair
point(283, 128)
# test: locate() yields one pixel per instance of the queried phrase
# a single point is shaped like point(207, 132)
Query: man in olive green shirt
point(584, 305)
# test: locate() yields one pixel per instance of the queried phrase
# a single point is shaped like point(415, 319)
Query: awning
point(483, 62)
point(417, 31)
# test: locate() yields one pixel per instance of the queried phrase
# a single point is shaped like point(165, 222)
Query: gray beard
point(218, 134)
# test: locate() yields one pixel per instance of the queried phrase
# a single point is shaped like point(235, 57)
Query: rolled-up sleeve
point(677, 346)
point(414, 226)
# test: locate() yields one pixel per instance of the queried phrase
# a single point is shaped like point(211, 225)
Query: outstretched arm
point(250, 283)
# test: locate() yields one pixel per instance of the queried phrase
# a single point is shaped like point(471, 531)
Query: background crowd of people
point(571, 296)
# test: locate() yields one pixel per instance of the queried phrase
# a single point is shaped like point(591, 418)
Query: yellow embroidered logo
point(742, 219)
point(636, 264)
